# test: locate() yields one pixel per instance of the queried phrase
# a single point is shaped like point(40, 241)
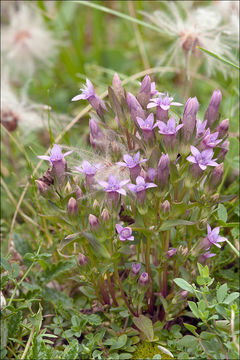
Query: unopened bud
point(115, 147)
point(72, 206)
point(189, 118)
point(117, 86)
point(93, 221)
point(82, 259)
point(144, 94)
point(166, 207)
point(42, 187)
point(95, 204)
point(184, 294)
point(97, 137)
point(224, 149)
point(211, 113)
point(79, 193)
point(223, 128)
point(215, 198)
point(105, 216)
point(163, 170)
point(143, 280)
point(171, 252)
point(135, 108)
point(216, 176)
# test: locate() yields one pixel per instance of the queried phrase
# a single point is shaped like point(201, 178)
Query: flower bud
point(79, 193)
point(97, 137)
point(115, 147)
point(171, 252)
point(144, 94)
point(72, 206)
point(93, 221)
point(135, 108)
point(211, 113)
point(105, 216)
point(42, 187)
point(117, 86)
point(224, 149)
point(223, 128)
point(184, 294)
point(163, 170)
point(216, 176)
point(95, 204)
point(189, 118)
point(82, 259)
point(166, 207)
point(136, 268)
point(143, 280)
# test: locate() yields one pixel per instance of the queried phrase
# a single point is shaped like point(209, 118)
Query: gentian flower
point(147, 126)
point(216, 177)
point(224, 149)
point(223, 128)
point(136, 268)
point(144, 93)
point(163, 170)
point(169, 131)
point(124, 233)
point(212, 238)
point(202, 159)
point(140, 187)
point(89, 170)
point(132, 163)
point(203, 257)
point(113, 187)
point(211, 113)
point(97, 137)
point(57, 161)
point(134, 107)
point(143, 280)
point(209, 140)
point(171, 252)
point(163, 104)
point(189, 118)
point(88, 93)
point(200, 128)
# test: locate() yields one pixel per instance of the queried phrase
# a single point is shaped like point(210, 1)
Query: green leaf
point(22, 246)
point(4, 333)
point(230, 298)
point(191, 328)
point(14, 324)
point(194, 309)
point(119, 343)
point(170, 223)
point(222, 292)
point(188, 341)
point(222, 213)
point(88, 291)
point(227, 62)
point(184, 285)
point(94, 319)
point(38, 349)
point(55, 270)
point(71, 351)
point(5, 264)
point(232, 157)
point(145, 325)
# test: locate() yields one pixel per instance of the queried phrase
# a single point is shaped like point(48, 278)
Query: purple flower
point(209, 140)
point(144, 94)
point(113, 187)
point(117, 86)
point(203, 257)
point(169, 128)
point(57, 161)
point(200, 127)
point(88, 93)
point(124, 233)
point(202, 159)
point(140, 187)
point(143, 280)
point(212, 238)
point(223, 128)
point(136, 268)
point(171, 252)
point(153, 89)
point(189, 118)
point(211, 113)
point(147, 126)
point(97, 137)
point(89, 170)
point(216, 176)
point(163, 104)
point(134, 107)
point(55, 155)
point(133, 164)
point(224, 149)
point(151, 174)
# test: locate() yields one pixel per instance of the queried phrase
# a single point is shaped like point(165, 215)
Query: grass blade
point(219, 58)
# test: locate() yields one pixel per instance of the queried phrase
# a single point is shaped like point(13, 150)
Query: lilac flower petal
point(209, 230)
point(176, 104)
point(123, 182)
point(131, 187)
point(215, 231)
point(203, 167)
point(165, 107)
point(103, 183)
point(150, 185)
point(79, 97)
point(151, 105)
point(136, 157)
point(191, 159)
point(194, 150)
point(143, 160)
point(216, 244)
point(179, 127)
point(119, 228)
point(150, 120)
point(44, 157)
point(212, 163)
point(121, 191)
point(121, 163)
point(141, 122)
point(67, 153)
point(122, 238)
point(131, 238)
point(128, 159)
point(140, 180)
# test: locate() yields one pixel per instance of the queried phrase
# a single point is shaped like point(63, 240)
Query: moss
point(148, 350)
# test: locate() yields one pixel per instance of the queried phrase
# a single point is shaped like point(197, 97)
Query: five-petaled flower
point(136, 268)
point(132, 163)
point(125, 233)
point(140, 187)
point(212, 238)
point(209, 140)
point(200, 127)
point(163, 103)
point(170, 128)
point(88, 169)
point(113, 187)
point(55, 155)
point(202, 159)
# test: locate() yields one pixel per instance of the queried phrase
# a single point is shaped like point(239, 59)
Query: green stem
point(28, 344)
point(166, 247)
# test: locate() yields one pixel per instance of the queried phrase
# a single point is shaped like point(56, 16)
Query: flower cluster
point(128, 210)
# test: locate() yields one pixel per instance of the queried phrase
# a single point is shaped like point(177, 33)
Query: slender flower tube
point(133, 164)
point(93, 221)
point(216, 177)
point(117, 87)
point(163, 104)
point(97, 137)
point(163, 170)
point(72, 206)
point(223, 128)
point(135, 108)
point(125, 233)
point(57, 161)
point(88, 93)
point(189, 118)
point(212, 111)
point(144, 94)
point(224, 149)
